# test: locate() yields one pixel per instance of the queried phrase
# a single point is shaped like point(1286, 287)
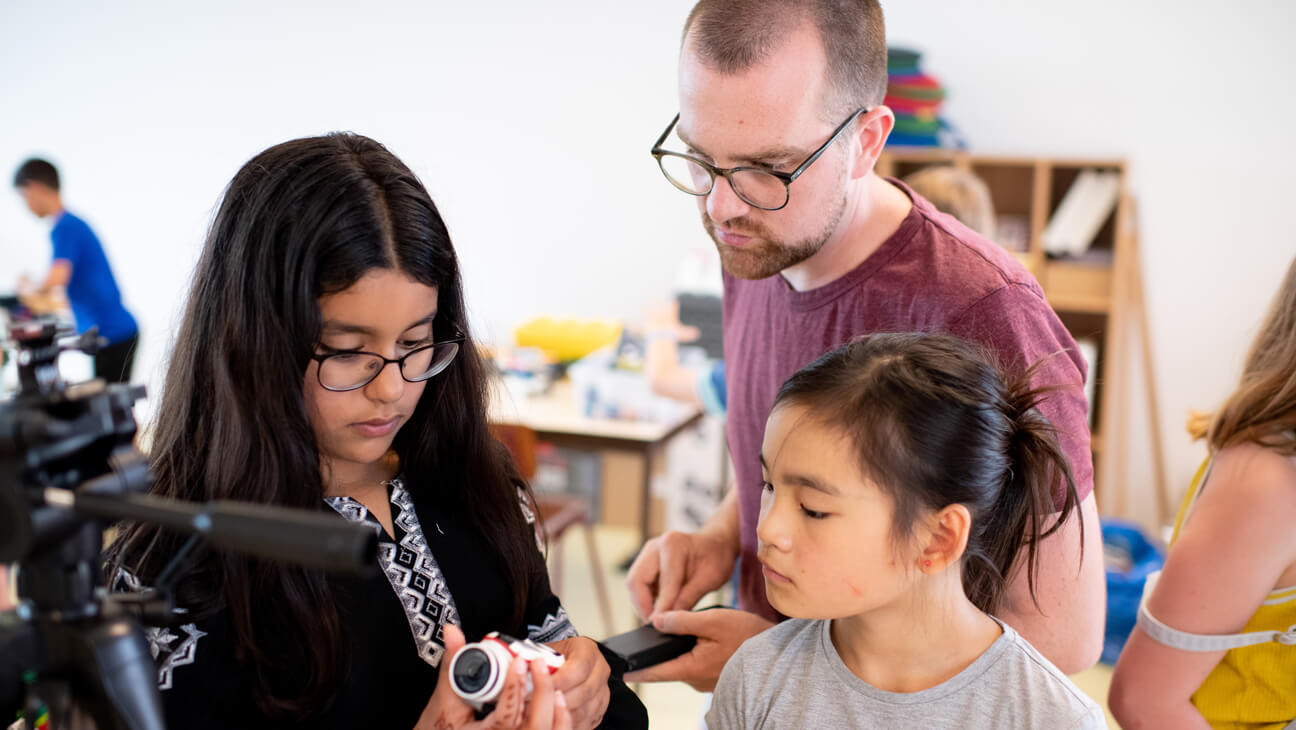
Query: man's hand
point(719, 632)
point(583, 680)
point(42, 303)
point(674, 571)
point(546, 709)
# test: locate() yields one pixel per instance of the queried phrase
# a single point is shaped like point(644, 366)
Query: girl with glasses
point(324, 362)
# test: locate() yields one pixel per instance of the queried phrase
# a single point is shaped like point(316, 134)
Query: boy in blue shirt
point(82, 269)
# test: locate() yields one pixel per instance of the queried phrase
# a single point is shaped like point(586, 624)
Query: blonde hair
point(1262, 410)
point(958, 192)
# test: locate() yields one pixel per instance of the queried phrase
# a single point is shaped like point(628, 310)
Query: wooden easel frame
point(1129, 306)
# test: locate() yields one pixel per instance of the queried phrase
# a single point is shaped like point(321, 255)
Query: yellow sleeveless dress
point(1252, 686)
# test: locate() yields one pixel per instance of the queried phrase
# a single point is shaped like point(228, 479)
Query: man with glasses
point(780, 124)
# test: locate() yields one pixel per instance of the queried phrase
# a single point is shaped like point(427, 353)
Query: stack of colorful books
point(915, 97)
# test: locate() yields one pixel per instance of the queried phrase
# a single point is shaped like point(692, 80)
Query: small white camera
point(478, 670)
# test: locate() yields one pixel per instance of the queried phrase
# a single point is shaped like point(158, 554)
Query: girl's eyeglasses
point(342, 371)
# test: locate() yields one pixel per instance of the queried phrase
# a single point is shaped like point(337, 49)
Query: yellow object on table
point(567, 339)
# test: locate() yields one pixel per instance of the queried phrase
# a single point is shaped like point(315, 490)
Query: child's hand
point(547, 708)
point(583, 680)
point(720, 631)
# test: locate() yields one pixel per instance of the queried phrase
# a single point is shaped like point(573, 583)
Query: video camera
point(68, 467)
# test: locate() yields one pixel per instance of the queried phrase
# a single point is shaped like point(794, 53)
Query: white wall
point(530, 124)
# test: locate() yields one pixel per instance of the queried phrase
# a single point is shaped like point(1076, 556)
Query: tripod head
point(67, 467)
point(54, 435)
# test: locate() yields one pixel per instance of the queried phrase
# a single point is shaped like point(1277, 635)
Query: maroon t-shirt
point(932, 275)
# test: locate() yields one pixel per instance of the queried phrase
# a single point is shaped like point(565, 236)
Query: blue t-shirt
point(92, 291)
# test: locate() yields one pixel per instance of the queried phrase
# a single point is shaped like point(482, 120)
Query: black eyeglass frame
point(457, 340)
point(727, 172)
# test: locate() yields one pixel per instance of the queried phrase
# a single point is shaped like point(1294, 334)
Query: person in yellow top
point(1215, 644)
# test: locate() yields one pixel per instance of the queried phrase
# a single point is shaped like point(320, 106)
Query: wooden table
point(555, 418)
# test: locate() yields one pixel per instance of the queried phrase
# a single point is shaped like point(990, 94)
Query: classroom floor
point(673, 704)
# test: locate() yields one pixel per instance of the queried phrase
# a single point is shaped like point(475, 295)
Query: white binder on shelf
point(1082, 212)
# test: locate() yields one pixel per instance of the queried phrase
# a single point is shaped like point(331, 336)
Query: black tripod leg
point(127, 673)
point(19, 653)
point(110, 670)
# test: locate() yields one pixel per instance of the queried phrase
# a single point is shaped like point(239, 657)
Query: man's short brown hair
point(37, 170)
point(734, 35)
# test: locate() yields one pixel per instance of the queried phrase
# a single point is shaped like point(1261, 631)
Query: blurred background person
point(1214, 642)
point(81, 271)
point(702, 386)
point(959, 192)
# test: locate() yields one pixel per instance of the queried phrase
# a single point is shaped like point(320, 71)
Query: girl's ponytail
point(1038, 479)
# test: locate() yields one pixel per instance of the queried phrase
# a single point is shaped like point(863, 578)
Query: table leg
point(645, 505)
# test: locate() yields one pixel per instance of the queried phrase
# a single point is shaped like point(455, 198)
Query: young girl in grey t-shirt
point(903, 476)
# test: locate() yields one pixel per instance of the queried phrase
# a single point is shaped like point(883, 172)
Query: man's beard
point(765, 256)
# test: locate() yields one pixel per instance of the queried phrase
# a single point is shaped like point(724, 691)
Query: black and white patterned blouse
point(416, 578)
point(434, 570)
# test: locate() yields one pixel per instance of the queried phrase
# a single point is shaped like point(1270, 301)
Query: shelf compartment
point(1073, 287)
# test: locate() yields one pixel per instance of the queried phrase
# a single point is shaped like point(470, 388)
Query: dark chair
point(555, 514)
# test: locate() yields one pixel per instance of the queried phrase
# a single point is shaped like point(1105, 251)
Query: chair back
point(521, 444)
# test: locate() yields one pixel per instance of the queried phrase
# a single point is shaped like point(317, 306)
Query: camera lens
point(472, 670)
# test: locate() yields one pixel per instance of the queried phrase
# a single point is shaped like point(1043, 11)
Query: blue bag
point(1129, 557)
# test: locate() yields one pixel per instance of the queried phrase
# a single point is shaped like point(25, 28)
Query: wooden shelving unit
point(1091, 294)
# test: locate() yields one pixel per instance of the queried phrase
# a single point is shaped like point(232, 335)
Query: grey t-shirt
point(791, 676)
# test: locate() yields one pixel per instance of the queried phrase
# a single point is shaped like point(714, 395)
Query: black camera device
point(646, 646)
point(68, 467)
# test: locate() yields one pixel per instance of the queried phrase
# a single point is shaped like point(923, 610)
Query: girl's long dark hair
point(303, 219)
point(934, 422)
